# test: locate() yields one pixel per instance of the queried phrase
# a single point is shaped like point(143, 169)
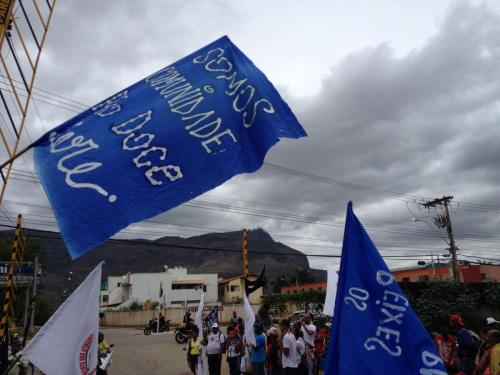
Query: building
point(179, 288)
point(468, 273)
point(231, 290)
point(320, 285)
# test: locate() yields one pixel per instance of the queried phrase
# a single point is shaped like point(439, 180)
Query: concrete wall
point(140, 318)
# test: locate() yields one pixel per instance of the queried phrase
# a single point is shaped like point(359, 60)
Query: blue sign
point(375, 330)
point(159, 143)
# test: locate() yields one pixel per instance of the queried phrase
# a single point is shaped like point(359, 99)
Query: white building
point(178, 286)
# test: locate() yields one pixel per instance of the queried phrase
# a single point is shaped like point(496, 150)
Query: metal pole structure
point(446, 222)
point(4, 326)
point(23, 107)
point(35, 285)
point(26, 308)
point(433, 268)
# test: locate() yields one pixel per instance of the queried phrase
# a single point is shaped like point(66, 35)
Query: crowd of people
point(292, 348)
point(466, 353)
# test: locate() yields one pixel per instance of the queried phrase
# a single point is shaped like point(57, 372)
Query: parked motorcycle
point(152, 326)
point(182, 334)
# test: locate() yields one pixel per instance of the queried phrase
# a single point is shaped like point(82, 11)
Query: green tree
point(303, 275)
point(31, 248)
point(441, 299)
point(279, 282)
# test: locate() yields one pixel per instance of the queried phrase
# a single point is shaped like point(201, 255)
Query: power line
point(55, 236)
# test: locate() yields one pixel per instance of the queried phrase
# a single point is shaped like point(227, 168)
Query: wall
point(146, 286)
point(320, 285)
point(415, 273)
point(229, 296)
point(140, 318)
point(491, 272)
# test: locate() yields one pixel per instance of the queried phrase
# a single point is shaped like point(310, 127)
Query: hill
point(122, 256)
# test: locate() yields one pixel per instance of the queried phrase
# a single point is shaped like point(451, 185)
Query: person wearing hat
point(467, 345)
point(215, 348)
point(492, 322)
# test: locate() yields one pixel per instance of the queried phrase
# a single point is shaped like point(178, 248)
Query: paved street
point(135, 353)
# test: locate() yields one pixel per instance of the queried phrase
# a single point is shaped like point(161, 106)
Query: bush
point(441, 299)
point(136, 305)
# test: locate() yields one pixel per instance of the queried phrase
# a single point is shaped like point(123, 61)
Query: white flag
point(67, 343)
point(331, 290)
point(199, 312)
point(249, 321)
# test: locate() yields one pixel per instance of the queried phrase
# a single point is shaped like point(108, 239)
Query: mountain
point(122, 256)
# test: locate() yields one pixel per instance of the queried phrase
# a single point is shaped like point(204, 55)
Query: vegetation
point(433, 302)
point(32, 249)
point(301, 276)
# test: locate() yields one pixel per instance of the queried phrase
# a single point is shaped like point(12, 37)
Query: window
point(118, 284)
point(205, 288)
point(483, 276)
point(406, 279)
point(235, 288)
point(185, 286)
point(105, 298)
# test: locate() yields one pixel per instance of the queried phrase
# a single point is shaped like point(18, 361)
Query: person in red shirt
point(320, 347)
point(447, 348)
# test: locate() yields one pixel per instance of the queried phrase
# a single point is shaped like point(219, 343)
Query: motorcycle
point(152, 326)
point(182, 334)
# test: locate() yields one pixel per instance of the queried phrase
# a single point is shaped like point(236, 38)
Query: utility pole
point(35, 285)
point(442, 222)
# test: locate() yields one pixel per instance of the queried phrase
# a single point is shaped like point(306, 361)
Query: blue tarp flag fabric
point(375, 330)
point(166, 139)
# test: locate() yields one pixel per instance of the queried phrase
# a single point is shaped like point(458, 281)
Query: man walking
point(467, 345)
point(289, 361)
point(215, 348)
point(309, 331)
point(259, 352)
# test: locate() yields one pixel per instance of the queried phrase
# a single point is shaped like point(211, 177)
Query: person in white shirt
point(288, 349)
point(301, 349)
point(215, 348)
point(309, 331)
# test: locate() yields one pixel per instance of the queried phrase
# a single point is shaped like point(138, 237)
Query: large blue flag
point(161, 142)
point(375, 330)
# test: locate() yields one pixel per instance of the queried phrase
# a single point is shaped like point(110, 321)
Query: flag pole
point(245, 253)
point(14, 157)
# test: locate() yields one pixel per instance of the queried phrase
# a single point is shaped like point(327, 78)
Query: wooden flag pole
point(245, 253)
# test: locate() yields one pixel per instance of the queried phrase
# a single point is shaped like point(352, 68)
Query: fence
point(138, 318)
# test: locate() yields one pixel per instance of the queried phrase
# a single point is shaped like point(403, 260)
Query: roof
point(411, 268)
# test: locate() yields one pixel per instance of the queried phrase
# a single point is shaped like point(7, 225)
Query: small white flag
point(331, 290)
point(106, 361)
point(67, 343)
point(249, 321)
point(199, 312)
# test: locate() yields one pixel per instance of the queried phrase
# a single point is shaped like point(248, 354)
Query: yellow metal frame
point(34, 65)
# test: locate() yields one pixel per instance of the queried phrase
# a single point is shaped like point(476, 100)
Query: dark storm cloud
point(426, 123)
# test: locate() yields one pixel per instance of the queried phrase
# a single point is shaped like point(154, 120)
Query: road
point(134, 353)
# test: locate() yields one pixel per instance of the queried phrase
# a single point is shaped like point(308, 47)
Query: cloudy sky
point(397, 97)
